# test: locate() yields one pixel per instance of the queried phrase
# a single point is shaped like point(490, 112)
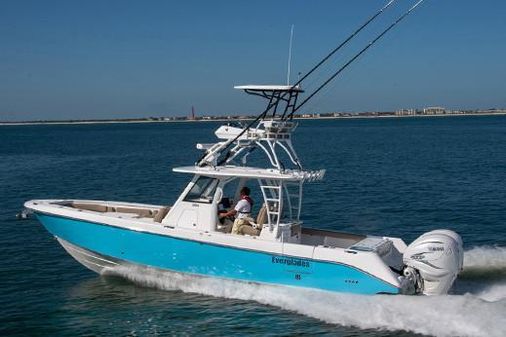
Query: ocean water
point(395, 176)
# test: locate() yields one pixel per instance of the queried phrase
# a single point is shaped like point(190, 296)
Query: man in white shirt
point(242, 211)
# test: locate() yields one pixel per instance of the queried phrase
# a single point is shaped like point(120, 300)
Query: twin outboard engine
point(433, 261)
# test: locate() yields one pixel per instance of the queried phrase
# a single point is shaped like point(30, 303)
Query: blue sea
point(392, 176)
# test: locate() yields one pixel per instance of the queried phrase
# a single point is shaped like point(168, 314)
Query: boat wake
point(485, 261)
point(477, 306)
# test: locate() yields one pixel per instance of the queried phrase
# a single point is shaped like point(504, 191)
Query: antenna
point(289, 57)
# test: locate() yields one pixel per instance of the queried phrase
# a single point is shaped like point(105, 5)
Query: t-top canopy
point(254, 87)
point(252, 172)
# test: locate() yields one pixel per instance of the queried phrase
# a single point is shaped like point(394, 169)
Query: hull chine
point(94, 261)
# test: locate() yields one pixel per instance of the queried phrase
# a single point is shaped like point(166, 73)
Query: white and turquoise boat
point(188, 236)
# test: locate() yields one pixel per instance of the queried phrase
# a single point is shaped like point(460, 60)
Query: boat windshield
point(203, 190)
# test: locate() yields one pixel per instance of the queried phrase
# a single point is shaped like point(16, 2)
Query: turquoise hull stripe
point(188, 256)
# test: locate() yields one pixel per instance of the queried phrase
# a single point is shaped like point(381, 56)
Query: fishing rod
point(335, 50)
point(325, 59)
point(356, 56)
point(273, 103)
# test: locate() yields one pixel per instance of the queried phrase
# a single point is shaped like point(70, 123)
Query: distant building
point(405, 112)
point(434, 110)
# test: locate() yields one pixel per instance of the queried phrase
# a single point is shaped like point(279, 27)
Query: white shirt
point(243, 209)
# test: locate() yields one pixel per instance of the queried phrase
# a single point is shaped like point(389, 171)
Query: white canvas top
point(254, 87)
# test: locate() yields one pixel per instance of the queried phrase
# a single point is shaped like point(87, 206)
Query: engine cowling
point(437, 257)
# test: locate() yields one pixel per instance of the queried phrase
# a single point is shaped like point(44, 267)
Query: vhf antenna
point(289, 57)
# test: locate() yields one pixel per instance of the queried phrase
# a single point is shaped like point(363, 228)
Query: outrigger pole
point(274, 101)
point(355, 57)
point(335, 50)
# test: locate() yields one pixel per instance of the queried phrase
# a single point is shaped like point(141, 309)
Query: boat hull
point(99, 246)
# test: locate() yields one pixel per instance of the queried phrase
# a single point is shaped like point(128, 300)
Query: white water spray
point(486, 257)
point(479, 312)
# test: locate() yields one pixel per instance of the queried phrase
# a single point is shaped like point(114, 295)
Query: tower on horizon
point(192, 116)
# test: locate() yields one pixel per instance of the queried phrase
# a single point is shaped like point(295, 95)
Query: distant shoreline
point(236, 119)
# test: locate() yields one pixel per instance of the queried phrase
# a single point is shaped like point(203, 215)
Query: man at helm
point(241, 212)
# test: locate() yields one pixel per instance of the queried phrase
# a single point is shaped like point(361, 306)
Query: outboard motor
point(433, 261)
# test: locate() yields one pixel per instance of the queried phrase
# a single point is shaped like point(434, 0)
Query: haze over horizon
point(128, 59)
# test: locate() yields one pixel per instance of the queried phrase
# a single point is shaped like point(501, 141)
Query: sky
point(128, 59)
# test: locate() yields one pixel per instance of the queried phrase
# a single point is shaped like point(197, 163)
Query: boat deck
point(139, 212)
point(320, 237)
point(154, 214)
